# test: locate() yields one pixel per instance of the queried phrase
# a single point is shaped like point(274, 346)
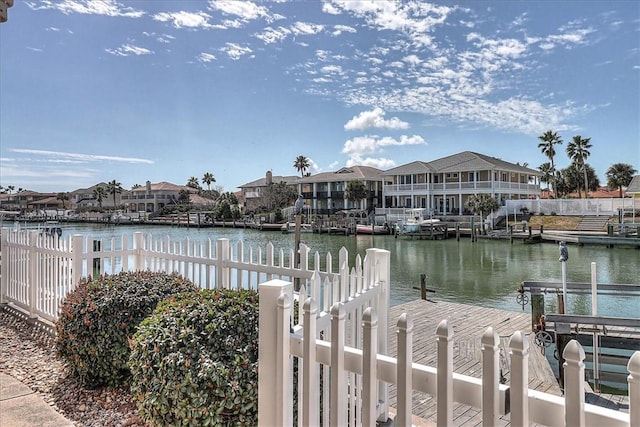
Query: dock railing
point(337, 383)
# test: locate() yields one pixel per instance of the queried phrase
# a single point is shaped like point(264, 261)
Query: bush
point(98, 318)
point(195, 360)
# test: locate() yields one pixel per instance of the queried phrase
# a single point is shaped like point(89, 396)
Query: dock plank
point(468, 323)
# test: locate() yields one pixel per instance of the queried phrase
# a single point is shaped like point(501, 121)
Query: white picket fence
point(354, 401)
point(38, 270)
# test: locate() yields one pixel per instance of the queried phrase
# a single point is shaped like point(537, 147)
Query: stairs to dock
point(593, 223)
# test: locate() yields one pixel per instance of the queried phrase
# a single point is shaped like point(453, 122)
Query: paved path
point(22, 407)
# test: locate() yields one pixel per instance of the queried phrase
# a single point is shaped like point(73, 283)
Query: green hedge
point(98, 318)
point(194, 360)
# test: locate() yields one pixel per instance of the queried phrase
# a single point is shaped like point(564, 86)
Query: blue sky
point(164, 90)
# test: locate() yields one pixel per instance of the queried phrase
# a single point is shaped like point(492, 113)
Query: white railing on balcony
point(350, 394)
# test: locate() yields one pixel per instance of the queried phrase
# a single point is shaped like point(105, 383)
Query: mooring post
point(423, 286)
point(537, 309)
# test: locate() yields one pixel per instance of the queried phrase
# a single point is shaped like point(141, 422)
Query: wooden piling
point(537, 310)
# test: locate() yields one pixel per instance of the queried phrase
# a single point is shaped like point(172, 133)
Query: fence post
point(222, 271)
point(33, 281)
point(77, 243)
point(573, 366)
point(310, 380)
point(338, 410)
point(383, 264)
point(95, 262)
point(490, 377)
point(274, 390)
point(4, 264)
point(138, 247)
point(634, 389)
point(405, 371)
point(444, 375)
point(519, 351)
point(369, 367)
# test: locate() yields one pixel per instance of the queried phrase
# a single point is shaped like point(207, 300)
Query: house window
point(452, 175)
point(472, 176)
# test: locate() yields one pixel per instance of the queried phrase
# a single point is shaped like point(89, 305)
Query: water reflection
point(487, 272)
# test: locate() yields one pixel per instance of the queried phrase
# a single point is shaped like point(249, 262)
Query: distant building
point(443, 186)
point(251, 197)
point(153, 197)
point(326, 194)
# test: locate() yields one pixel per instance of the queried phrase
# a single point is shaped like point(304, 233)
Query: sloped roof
point(415, 167)
point(634, 185)
point(460, 162)
point(262, 182)
point(350, 173)
point(162, 186)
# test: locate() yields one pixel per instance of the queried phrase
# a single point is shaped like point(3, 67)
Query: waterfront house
point(251, 197)
point(442, 186)
point(83, 198)
point(326, 194)
point(153, 197)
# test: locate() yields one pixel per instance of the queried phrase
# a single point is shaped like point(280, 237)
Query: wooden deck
point(469, 323)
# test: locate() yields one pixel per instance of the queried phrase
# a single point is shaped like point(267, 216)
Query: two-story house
point(325, 192)
point(153, 197)
point(251, 197)
point(442, 186)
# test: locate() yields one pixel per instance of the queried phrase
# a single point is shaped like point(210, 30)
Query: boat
point(415, 222)
point(372, 229)
point(51, 228)
point(290, 227)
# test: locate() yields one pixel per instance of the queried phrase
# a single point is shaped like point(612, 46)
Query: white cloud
point(379, 163)
point(88, 7)
point(370, 144)
point(206, 57)
point(339, 29)
point(57, 155)
point(128, 50)
point(245, 10)
point(305, 28)
point(184, 19)
point(374, 119)
point(235, 51)
point(272, 35)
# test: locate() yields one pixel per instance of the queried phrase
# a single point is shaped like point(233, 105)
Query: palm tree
point(194, 183)
point(99, 193)
point(620, 175)
point(10, 188)
point(301, 164)
point(578, 152)
point(63, 197)
point(549, 139)
point(113, 188)
point(208, 178)
point(547, 173)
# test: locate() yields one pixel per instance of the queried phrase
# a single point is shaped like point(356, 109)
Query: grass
point(554, 222)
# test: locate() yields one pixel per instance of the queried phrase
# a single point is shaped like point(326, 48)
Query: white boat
point(290, 227)
point(414, 221)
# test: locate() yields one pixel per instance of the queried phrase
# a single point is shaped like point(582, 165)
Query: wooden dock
point(469, 323)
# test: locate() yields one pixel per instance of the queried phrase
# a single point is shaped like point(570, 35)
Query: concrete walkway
point(22, 407)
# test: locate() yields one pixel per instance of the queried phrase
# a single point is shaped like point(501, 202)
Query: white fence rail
point(38, 270)
point(354, 401)
point(597, 207)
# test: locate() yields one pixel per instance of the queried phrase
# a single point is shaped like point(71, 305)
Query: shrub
point(195, 360)
point(98, 318)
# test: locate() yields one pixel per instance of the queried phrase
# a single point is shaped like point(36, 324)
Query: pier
point(469, 323)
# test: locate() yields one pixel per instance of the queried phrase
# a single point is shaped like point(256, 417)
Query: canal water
point(486, 272)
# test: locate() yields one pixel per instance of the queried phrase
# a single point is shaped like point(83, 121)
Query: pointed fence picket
point(356, 403)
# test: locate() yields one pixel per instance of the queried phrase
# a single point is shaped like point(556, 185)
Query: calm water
point(487, 272)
